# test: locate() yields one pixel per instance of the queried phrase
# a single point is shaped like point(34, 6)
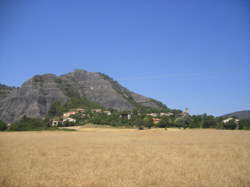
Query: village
point(81, 116)
point(70, 116)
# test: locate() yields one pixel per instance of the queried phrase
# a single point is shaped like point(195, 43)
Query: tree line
point(137, 120)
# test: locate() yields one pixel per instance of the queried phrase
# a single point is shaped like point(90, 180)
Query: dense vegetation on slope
point(26, 124)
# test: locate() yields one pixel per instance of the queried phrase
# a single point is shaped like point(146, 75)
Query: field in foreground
point(125, 158)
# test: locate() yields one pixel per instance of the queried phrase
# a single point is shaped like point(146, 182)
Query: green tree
point(165, 122)
point(245, 124)
point(208, 122)
point(148, 122)
point(3, 126)
point(179, 122)
point(26, 124)
point(230, 125)
point(183, 122)
point(139, 122)
point(196, 121)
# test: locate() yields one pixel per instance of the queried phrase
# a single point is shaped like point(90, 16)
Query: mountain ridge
point(243, 114)
point(36, 95)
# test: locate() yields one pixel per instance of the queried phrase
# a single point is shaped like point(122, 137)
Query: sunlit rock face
point(36, 95)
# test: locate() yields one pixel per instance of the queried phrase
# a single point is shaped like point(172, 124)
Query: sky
point(188, 54)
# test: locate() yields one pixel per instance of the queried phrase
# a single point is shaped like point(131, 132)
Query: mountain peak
point(36, 95)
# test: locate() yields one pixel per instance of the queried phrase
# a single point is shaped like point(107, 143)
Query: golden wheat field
point(125, 158)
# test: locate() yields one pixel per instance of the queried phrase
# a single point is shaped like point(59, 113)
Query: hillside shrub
point(245, 124)
point(164, 123)
point(28, 124)
point(3, 126)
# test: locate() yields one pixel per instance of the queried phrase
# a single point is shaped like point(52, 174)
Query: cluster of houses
point(156, 117)
point(66, 117)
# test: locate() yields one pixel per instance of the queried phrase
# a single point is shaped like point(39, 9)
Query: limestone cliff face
point(36, 95)
point(5, 91)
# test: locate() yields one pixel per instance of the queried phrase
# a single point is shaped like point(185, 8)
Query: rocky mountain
point(37, 94)
point(245, 114)
point(5, 91)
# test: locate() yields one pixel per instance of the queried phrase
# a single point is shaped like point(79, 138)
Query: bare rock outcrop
point(36, 95)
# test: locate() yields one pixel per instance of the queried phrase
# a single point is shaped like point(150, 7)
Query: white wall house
point(69, 120)
point(152, 114)
point(67, 114)
point(231, 119)
point(166, 114)
point(54, 123)
point(107, 112)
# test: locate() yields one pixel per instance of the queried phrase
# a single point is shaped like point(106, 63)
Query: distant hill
point(35, 97)
point(245, 114)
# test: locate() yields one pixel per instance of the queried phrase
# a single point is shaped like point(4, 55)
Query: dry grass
point(125, 158)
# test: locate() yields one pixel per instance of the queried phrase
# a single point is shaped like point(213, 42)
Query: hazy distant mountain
point(36, 95)
point(245, 114)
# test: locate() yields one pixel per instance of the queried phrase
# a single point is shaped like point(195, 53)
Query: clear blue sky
point(185, 53)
